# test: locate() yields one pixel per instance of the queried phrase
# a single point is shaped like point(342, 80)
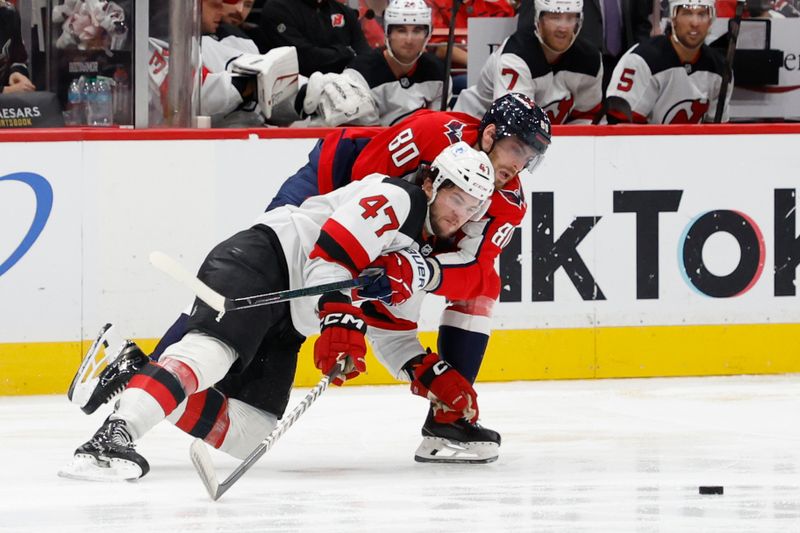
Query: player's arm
point(513, 75)
point(393, 335)
point(355, 234)
point(465, 273)
point(632, 91)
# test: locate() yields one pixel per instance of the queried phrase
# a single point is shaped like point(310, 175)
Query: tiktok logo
point(44, 204)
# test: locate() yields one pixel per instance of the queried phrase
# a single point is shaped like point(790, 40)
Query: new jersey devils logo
point(337, 20)
point(558, 111)
point(453, 130)
point(686, 112)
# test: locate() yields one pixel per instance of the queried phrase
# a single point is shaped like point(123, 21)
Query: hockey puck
point(711, 490)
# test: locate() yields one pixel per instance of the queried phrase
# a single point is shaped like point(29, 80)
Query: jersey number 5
point(626, 80)
point(403, 148)
point(375, 205)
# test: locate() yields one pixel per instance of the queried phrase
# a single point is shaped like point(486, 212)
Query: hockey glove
point(342, 329)
point(452, 395)
point(276, 72)
point(405, 272)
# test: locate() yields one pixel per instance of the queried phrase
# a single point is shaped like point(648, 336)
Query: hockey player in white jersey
point(327, 238)
point(548, 63)
point(673, 78)
point(399, 78)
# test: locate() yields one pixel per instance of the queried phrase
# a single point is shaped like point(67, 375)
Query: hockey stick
point(733, 36)
point(219, 303)
point(448, 58)
point(202, 460)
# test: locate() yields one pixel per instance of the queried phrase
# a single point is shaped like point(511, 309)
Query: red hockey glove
point(405, 272)
point(342, 329)
point(452, 395)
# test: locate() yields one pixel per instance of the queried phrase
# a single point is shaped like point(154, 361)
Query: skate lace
point(118, 435)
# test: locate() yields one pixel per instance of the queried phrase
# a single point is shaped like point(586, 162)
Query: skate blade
point(105, 348)
point(86, 468)
point(439, 450)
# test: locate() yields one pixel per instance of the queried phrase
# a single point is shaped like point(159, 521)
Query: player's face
point(211, 15)
point(451, 209)
point(407, 41)
point(558, 30)
point(233, 13)
point(509, 156)
point(691, 25)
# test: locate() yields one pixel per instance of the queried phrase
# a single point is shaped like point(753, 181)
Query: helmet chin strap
point(428, 226)
point(413, 61)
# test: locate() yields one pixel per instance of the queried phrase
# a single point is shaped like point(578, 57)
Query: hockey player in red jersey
point(673, 78)
point(549, 63)
point(515, 133)
point(326, 238)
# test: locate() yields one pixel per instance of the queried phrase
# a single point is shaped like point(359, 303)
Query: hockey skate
point(106, 369)
point(460, 442)
point(109, 455)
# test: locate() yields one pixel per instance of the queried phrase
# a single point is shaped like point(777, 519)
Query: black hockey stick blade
point(205, 467)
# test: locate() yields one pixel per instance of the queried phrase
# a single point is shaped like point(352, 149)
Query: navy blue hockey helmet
point(517, 115)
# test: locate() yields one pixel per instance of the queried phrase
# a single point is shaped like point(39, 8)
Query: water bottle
point(99, 111)
point(122, 96)
point(75, 115)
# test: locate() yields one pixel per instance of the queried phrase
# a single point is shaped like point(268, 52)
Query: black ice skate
point(460, 442)
point(109, 455)
point(122, 359)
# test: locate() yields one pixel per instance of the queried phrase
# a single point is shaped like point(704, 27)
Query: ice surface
point(600, 456)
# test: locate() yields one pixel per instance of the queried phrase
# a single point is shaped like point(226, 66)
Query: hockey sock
point(205, 416)
point(154, 393)
point(463, 350)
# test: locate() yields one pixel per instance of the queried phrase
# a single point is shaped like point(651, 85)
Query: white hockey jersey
point(569, 91)
point(661, 89)
point(333, 237)
point(398, 98)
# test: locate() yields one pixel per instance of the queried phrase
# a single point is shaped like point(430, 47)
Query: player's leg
point(463, 338)
point(301, 185)
point(237, 420)
point(203, 356)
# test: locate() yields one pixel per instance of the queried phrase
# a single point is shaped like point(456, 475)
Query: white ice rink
point(605, 456)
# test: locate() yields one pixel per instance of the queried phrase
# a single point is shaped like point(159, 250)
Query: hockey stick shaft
point(205, 467)
point(222, 304)
point(448, 60)
point(733, 36)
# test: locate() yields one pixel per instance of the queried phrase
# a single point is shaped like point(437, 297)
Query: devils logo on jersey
point(686, 112)
point(337, 20)
point(558, 111)
point(453, 131)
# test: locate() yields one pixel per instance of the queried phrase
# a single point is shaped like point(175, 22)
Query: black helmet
point(517, 115)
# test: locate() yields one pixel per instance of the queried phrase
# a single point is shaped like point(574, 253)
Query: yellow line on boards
point(580, 353)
